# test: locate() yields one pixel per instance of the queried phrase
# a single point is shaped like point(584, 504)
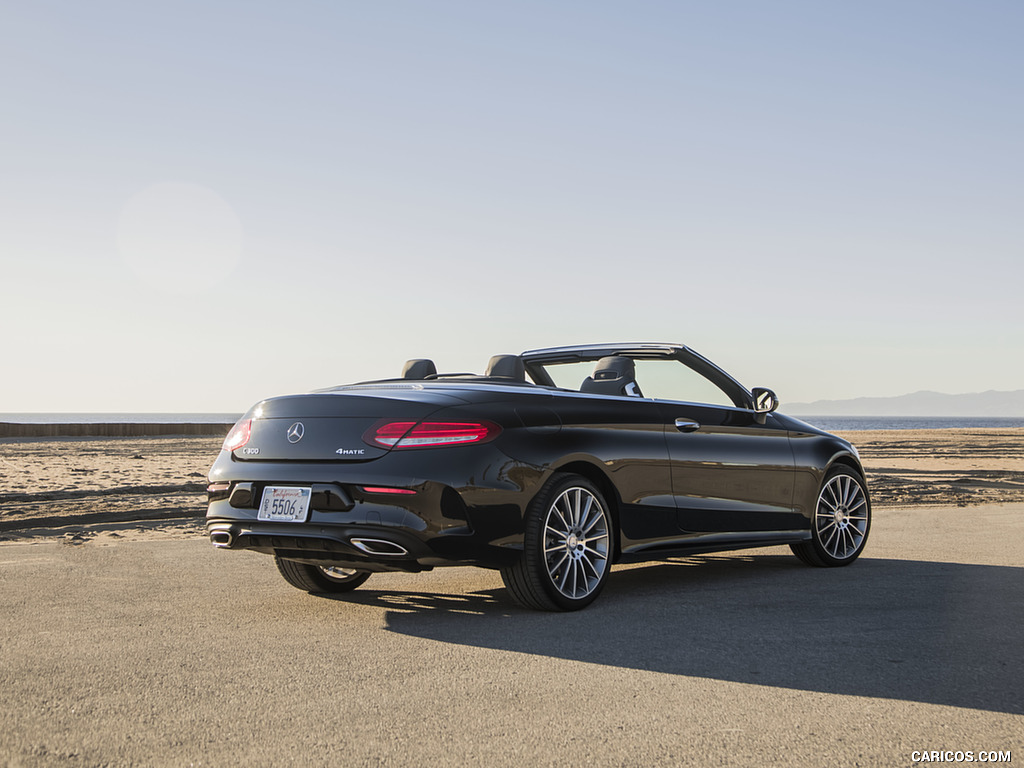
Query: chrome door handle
point(685, 425)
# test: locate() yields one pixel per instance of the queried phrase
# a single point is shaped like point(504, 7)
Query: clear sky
point(206, 203)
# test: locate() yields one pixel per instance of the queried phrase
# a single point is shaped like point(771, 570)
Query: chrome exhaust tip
point(221, 539)
point(379, 547)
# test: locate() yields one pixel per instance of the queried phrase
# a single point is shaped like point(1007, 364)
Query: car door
point(729, 472)
point(625, 436)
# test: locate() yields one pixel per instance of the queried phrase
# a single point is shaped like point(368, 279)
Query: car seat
point(506, 367)
point(613, 376)
point(419, 369)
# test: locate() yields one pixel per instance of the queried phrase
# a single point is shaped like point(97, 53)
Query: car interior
point(419, 368)
point(614, 375)
point(506, 367)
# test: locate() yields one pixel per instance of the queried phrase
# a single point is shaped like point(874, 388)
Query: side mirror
point(765, 401)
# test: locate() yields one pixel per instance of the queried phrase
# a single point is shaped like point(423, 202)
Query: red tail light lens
point(399, 435)
point(238, 436)
point(379, 489)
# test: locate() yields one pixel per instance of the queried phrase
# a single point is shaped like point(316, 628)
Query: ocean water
point(861, 423)
point(119, 418)
point(830, 423)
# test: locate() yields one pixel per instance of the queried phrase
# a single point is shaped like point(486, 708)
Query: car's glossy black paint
point(739, 479)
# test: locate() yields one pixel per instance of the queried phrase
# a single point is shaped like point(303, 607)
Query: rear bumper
point(366, 547)
point(446, 520)
point(389, 549)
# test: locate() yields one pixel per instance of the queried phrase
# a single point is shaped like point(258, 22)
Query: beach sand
point(942, 466)
point(83, 489)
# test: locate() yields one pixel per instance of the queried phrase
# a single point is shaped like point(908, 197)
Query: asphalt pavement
point(168, 652)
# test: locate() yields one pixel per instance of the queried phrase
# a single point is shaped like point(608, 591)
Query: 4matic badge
point(351, 451)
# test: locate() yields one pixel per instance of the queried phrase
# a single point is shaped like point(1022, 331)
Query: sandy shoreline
point(84, 488)
point(942, 466)
point(81, 487)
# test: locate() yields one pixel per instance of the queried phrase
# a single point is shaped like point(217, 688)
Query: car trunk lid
point(328, 427)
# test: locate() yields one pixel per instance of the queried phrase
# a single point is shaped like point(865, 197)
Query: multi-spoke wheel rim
point(338, 574)
point(841, 519)
point(576, 543)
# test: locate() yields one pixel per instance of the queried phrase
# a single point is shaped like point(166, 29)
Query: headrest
point(612, 376)
point(419, 369)
point(507, 367)
point(614, 368)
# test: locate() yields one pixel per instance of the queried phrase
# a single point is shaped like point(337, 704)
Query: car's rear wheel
point(320, 578)
point(842, 519)
point(567, 547)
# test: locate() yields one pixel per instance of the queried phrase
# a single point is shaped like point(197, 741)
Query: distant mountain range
point(924, 403)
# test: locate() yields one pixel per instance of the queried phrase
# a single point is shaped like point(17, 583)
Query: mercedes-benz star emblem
point(295, 432)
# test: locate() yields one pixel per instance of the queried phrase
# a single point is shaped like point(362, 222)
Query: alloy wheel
point(841, 517)
point(576, 542)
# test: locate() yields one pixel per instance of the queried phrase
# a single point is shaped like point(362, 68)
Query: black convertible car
point(550, 466)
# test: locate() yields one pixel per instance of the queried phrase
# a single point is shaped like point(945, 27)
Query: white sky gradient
point(207, 203)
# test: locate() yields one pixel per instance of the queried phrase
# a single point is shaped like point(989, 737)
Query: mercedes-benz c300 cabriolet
point(549, 467)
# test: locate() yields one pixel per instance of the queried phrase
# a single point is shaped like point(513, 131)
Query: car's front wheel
point(842, 519)
point(567, 547)
point(320, 578)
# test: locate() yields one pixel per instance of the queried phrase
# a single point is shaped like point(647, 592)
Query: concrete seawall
point(111, 430)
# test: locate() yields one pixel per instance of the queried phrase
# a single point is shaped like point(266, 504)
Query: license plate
point(284, 504)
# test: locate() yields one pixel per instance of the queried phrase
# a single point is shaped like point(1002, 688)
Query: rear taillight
point(381, 489)
point(399, 435)
point(238, 436)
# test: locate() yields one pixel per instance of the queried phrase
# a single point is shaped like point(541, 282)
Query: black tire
point(841, 522)
point(316, 578)
point(567, 547)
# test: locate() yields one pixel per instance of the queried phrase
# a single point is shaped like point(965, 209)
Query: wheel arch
point(824, 552)
point(847, 460)
point(596, 475)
